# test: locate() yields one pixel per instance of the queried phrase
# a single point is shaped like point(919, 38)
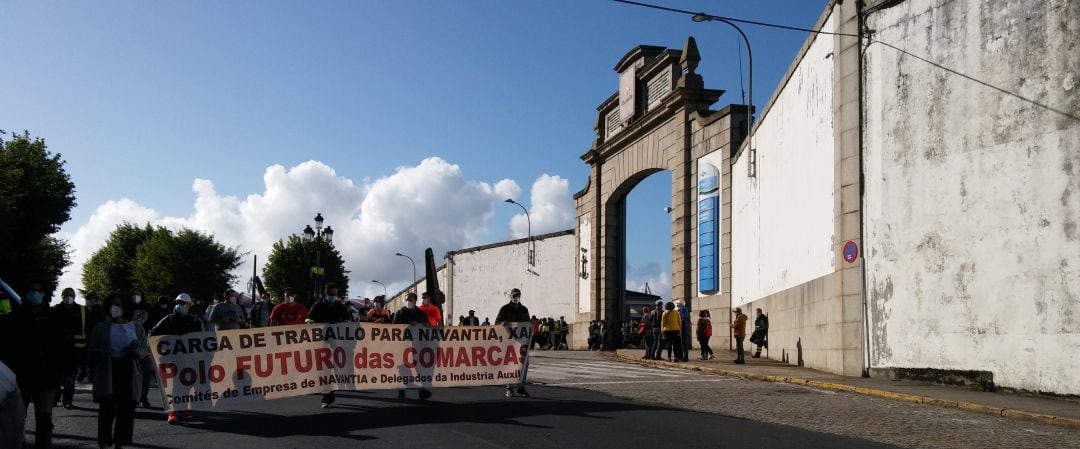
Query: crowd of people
point(105, 342)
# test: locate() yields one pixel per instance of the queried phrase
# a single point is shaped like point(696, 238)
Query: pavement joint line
point(903, 397)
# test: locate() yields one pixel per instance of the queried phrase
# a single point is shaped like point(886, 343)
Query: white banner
point(218, 369)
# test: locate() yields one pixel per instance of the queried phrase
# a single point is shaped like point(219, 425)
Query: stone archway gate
point(658, 120)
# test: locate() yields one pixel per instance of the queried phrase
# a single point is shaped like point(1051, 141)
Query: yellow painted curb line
point(985, 409)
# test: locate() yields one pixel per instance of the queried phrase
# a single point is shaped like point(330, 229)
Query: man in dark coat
point(760, 337)
point(181, 321)
point(72, 317)
point(39, 350)
point(515, 312)
point(329, 310)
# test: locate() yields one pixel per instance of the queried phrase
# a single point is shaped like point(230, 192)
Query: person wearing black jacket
point(328, 310)
point(515, 312)
point(654, 325)
point(38, 348)
point(179, 322)
point(410, 314)
point(72, 316)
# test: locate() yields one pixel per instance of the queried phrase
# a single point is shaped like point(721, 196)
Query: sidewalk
point(1039, 409)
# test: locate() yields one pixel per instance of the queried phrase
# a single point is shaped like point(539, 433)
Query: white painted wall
point(972, 196)
point(584, 236)
point(482, 279)
point(782, 220)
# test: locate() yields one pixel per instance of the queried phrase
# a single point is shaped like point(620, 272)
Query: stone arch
point(658, 120)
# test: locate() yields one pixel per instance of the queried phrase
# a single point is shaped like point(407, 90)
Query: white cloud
point(551, 208)
point(428, 205)
point(659, 280)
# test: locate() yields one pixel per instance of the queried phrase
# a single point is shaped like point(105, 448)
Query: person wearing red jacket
point(432, 311)
point(704, 332)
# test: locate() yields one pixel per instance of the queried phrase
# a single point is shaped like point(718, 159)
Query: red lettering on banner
point(445, 356)
point(478, 356)
point(168, 372)
point(322, 359)
point(492, 352)
point(283, 359)
point(243, 363)
point(303, 365)
point(340, 359)
point(266, 369)
point(511, 356)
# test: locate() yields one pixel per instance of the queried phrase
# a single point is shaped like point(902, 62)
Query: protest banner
point(218, 369)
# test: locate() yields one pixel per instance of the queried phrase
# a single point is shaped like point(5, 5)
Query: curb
point(969, 406)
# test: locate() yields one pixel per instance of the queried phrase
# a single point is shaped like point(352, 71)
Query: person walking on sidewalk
point(646, 314)
point(515, 312)
point(671, 325)
point(760, 337)
point(655, 320)
point(684, 321)
point(739, 327)
point(704, 332)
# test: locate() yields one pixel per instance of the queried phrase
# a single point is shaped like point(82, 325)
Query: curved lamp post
point(384, 293)
point(702, 17)
point(413, 269)
point(528, 220)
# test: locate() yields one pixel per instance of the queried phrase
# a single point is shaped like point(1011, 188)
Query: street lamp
point(383, 287)
point(528, 220)
point(413, 269)
point(319, 236)
point(702, 17)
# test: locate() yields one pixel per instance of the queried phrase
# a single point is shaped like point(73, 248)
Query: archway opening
point(646, 250)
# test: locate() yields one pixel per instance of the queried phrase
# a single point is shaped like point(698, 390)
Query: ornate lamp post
point(319, 236)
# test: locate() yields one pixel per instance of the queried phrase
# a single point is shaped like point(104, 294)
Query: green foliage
point(36, 198)
point(290, 265)
point(110, 268)
point(161, 262)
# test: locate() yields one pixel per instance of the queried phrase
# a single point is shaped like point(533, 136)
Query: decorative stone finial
point(690, 56)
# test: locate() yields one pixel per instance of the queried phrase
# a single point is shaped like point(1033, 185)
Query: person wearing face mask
point(328, 310)
point(434, 315)
point(73, 318)
point(411, 314)
point(181, 321)
point(259, 316)
point(288, 312)
point(515, 312)
point(379, 313)
point(228, 315)
point(34, 344)
point(142, 315)
point(116, 348)
point(95, 314)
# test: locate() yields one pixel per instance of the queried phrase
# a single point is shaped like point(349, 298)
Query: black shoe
point(68, 406)
point(401, 394)
point(521, 392)
point(327, 399)
point(424, 394)
point(144, 404)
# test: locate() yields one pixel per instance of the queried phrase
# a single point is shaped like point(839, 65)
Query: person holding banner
point(289, 312)
point(229, 314)
point(179, 322)
point(379, 314)
point(116, 348)
point(514, 312)
point(434, 315)
point(410, 314)
point(328, 310)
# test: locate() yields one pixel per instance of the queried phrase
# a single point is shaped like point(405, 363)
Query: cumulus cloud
point(659, 280)
point(432, 204)
point(551, 208)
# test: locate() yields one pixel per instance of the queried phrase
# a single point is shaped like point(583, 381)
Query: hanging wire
point(869, 41)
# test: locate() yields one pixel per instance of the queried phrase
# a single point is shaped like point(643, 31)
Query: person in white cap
point(179, 322)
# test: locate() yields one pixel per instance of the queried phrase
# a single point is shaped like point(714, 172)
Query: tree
point(186, 261)
point(36, 198)
point(111, 268)
point(290, 265)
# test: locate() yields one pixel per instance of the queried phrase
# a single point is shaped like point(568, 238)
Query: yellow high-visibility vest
point(80, 338)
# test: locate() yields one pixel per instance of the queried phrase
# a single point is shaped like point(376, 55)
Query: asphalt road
point(558, 415)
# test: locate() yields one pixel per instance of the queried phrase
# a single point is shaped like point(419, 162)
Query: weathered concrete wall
point(782, 218)
point(973, 195)
point(482, 278)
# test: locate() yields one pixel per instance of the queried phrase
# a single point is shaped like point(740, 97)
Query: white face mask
point(115, 311)
point(290, 299)
point(410, 304)
point(136, 298)
point(69, 299)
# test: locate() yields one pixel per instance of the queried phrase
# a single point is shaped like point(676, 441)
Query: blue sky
point(142, 98)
